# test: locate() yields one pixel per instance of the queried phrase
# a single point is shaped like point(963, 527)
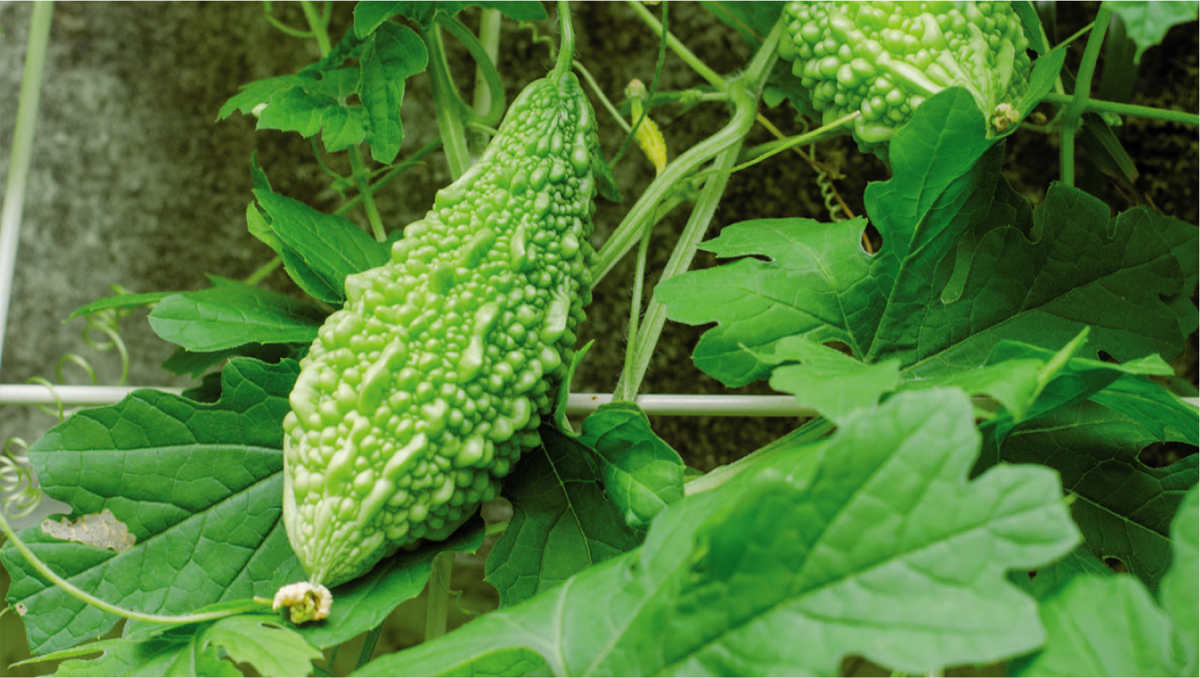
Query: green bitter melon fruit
point(419, 395)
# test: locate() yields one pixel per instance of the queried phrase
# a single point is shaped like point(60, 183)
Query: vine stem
point(681, 259)
point(1083, 86)
point(622, 391)
point(88, 598)
point(362, 179)
point(284, 28)
point(1102, 106)
point(22, 152)
point(489, 40)
point(681, 50)
point(488, 78)
point(745, 92)
point(438, 600)
point(370, 642)
point(566, 46)
point(317, 26)
point(395, 171)
point(447, 104)
point(628, 232)
point(604, 100)
point(777, 147)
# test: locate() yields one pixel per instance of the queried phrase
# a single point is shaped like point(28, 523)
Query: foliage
point(1000, 470)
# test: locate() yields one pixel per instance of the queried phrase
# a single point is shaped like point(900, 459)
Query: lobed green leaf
point(872, 542)
point(561, 523)
point(197, 484)
point(1123, 507)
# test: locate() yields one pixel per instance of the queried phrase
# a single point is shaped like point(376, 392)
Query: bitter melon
point(419, 395)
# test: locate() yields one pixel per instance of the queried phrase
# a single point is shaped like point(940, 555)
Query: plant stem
point(1076, 35)
point(622, 392)
point(370, 641)
point(489, 40)
point(810, 432)
point(447, 104)
point(395, 171)
point(638, 359)
point(775, 148)
point(1083, 86)
point(566, 46)
point(97, 603)
point(745, 92)
point(487, 79)
point(317, 26)
point(680, 49)
point(362, 180)
point(294, 32)
point(604, 100)
point(628, 232)
point(263, 271)
point(1102, 106)
point(438, 599)
point(21, 153)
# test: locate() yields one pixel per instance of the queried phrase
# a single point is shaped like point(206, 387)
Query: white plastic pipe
point(577, 403)
point(689, 405)
point(69, 396)
point(662, 404)
point(22, 152)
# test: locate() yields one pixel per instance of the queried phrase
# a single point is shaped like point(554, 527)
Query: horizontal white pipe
point(690, 405)
point(69, 396)
point(577, 403)
point(667, 404)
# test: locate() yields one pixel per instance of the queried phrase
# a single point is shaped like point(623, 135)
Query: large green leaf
point(961, 268)
point(197, 485)
point(1178, 592)
point(1123, 507)
point(230, 314)
point(258, 640)
point(1103, 625)
point(371, 16)
point(1147, 23)
point(1100, 625)
point(561, 521)
point(393, 54)
point(872, 542)
point(319, 98)
point(158, 657)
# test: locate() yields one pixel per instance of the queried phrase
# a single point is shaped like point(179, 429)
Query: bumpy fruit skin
point(419, 395)
point(884, 59)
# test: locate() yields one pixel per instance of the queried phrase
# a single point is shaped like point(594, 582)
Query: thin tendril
point(19, 495)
